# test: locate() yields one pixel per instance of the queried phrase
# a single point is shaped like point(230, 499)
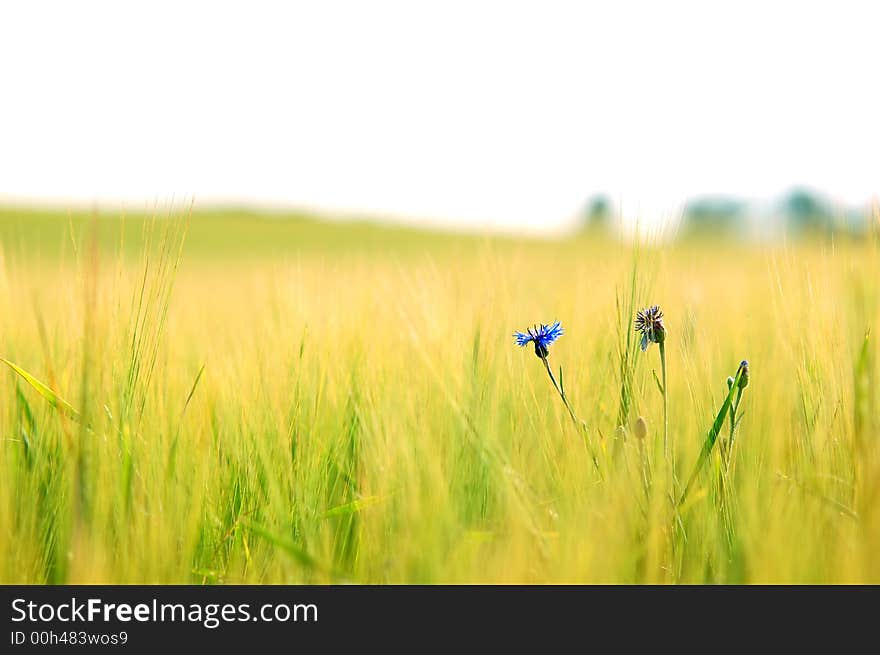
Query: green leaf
point(51, 397)
point(657, 380)
point(712, 435)
point(353, 507)
point(292, 549)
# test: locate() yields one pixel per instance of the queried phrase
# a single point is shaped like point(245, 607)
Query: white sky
point(489, 114)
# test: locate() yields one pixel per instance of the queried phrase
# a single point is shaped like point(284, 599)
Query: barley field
point(224, 397)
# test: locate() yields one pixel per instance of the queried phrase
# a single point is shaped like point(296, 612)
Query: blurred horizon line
point(652, 220)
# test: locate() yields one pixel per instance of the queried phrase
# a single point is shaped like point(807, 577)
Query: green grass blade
point(353, 507)
point(657, 380)
point(862, 392)
point(712, 435)
point(285, 544)
point(51, 397)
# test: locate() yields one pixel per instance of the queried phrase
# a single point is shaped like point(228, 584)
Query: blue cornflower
point(541, 336)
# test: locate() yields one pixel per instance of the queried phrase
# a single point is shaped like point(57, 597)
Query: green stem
point(732, 424)
point(739, 393)
point(561, 393)
point(577, 422)
point(712, 436)
point(667, 451)
point(665, 400)
point(727, 451)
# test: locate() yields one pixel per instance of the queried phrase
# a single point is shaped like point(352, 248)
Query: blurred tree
point(807, 212)
point(598, 214)
point(713, 216)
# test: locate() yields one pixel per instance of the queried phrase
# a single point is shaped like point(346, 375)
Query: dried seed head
point(649, 324)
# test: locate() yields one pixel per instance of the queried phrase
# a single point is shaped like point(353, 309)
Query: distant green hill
point(216, 232)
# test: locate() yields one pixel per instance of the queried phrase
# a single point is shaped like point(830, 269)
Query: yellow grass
point(365, 416)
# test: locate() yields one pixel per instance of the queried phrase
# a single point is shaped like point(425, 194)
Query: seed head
point(541, 337)
point(641, 428)
point(649, 323)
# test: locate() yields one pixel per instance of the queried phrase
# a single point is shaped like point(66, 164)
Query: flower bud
point(641, 428)
point(744, 374)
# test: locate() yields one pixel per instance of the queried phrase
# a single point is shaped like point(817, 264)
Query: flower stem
point(728, 450)
point(669, 456)
point(739, 393)
point(665, 400)
point(577, 422)
point(560, 392)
